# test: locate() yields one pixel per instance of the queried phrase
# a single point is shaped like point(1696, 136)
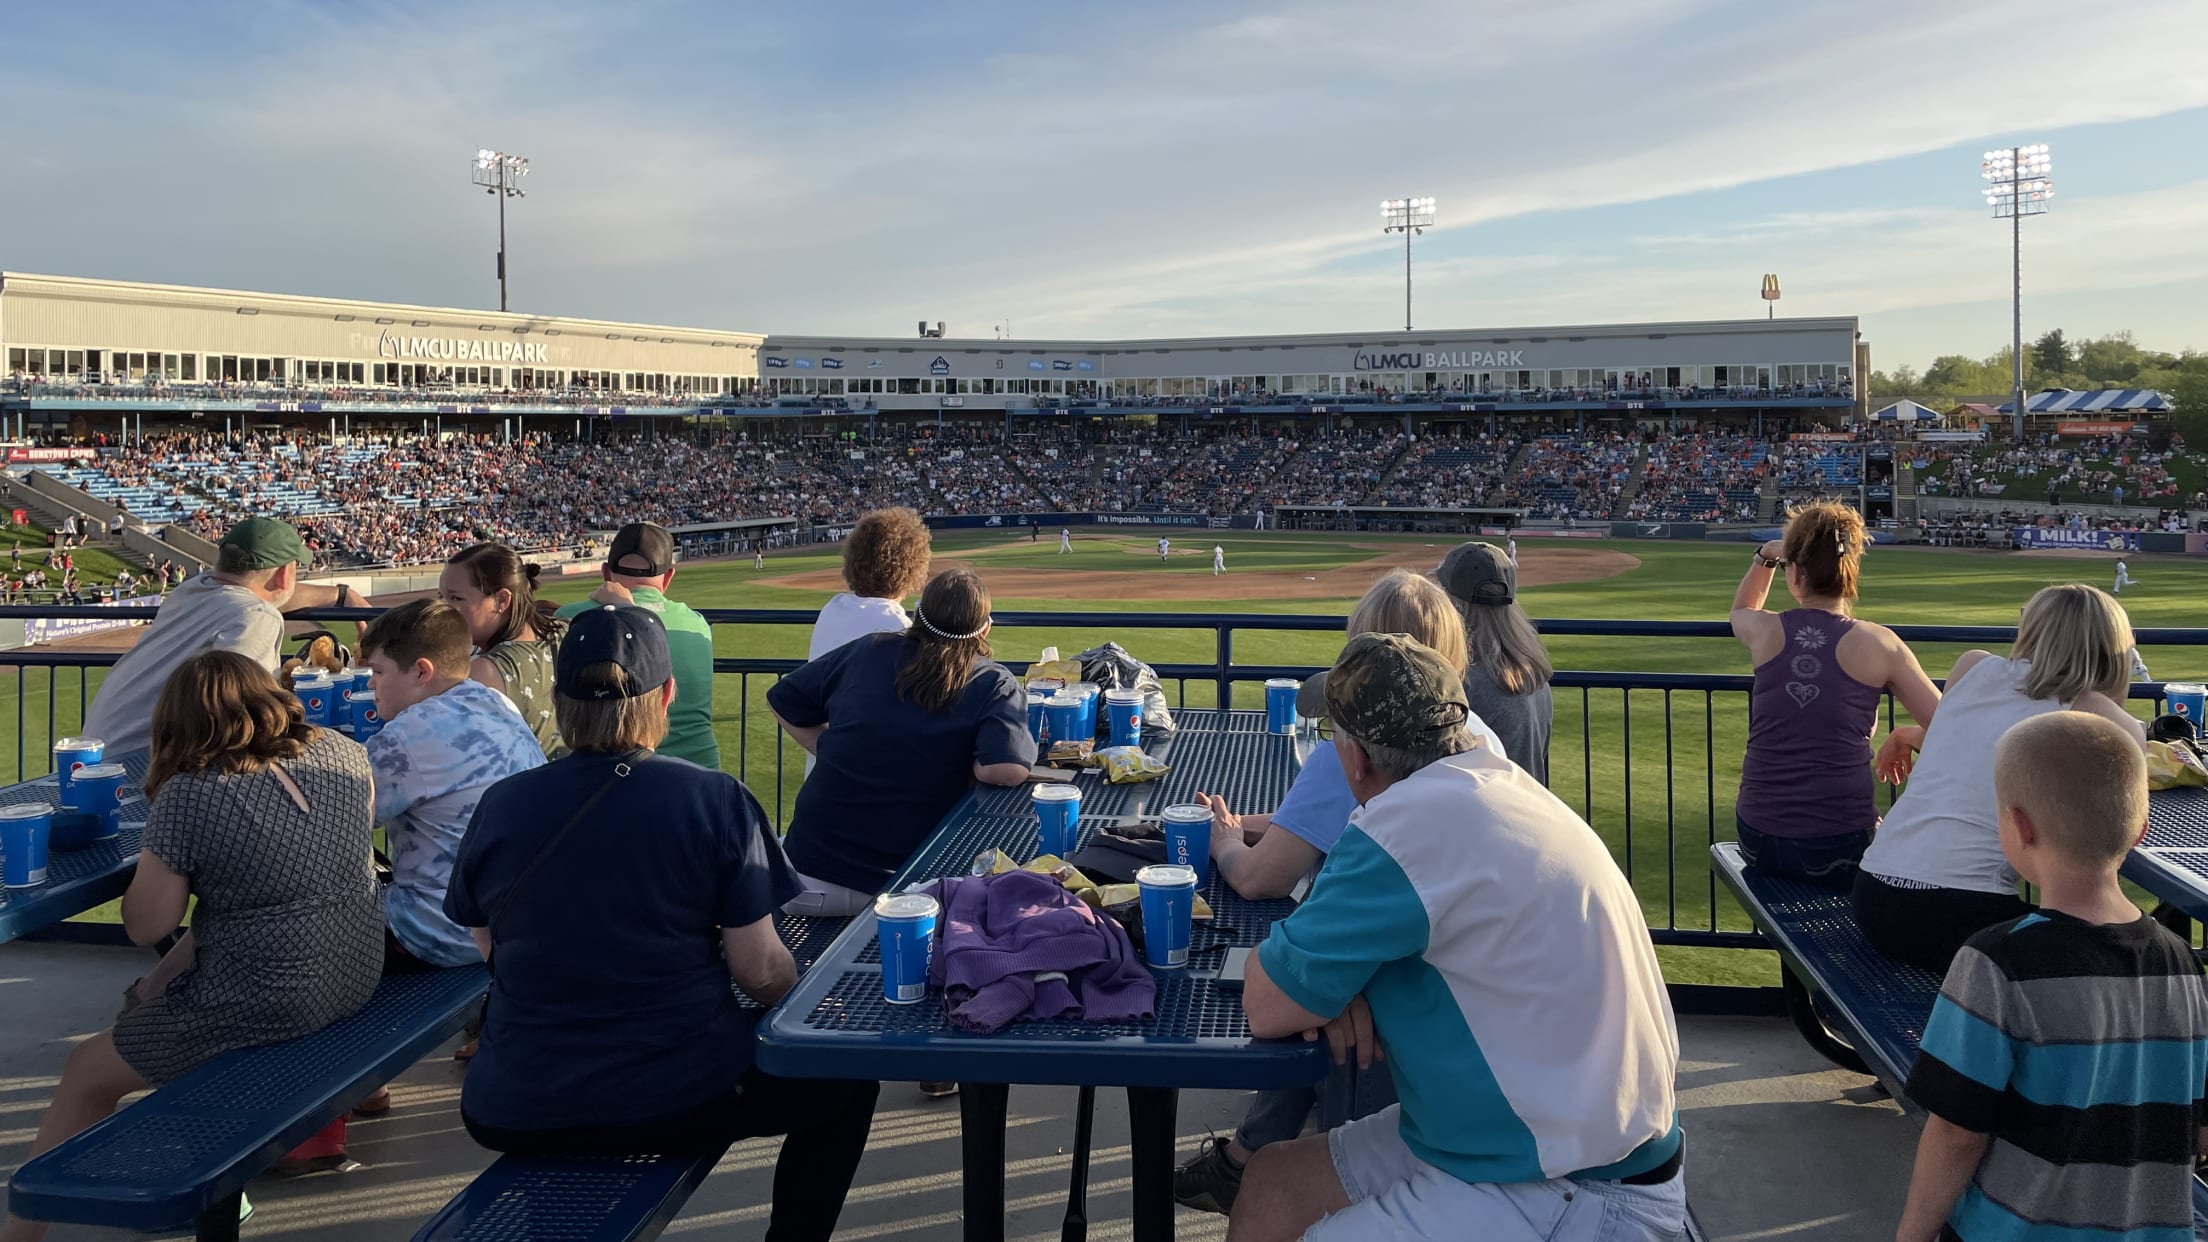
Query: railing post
point(1225, 632)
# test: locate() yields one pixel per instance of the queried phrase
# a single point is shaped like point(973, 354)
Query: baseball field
point(1654, 775)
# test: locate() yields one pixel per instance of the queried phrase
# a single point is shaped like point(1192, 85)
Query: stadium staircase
point(1632, 488)
point(1387, 473)
point(1767, 509)
point(1905, 501)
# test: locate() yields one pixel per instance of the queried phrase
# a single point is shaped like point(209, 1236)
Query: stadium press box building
point(63, 338)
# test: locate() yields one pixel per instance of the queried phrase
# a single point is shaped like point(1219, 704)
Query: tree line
point(2056, 361)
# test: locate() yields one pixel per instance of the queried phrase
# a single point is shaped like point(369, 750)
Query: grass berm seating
point(1834, 976)
point(181, 1156)
point(604, 1199)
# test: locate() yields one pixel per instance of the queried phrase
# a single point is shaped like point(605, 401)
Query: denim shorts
point(1822, 860)
point(1394, 1194)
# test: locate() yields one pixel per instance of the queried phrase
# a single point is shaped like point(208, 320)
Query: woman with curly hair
point(885, 558)
point(903, 725)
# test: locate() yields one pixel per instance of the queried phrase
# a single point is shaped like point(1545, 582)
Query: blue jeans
point(1820, 860)
point(1346, 1094)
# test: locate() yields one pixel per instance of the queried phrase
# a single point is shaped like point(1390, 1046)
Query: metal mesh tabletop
point(837, 1024)
point(2172, 862)
point(76, 880)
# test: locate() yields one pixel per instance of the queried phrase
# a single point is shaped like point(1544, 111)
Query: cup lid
point(78, 743)
point(1062, 700)
point(316, 682)
point(1056, 792)
point(1166, 875)
point(25, 810)
point(1124, 696)
point(1186, 811)
point(96, 771)
point(1274, 683)
point(2183, 687)
point(905, 905)
point(1083, 686)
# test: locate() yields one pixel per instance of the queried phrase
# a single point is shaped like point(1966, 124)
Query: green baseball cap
point(1392, 690)
point(263, 543)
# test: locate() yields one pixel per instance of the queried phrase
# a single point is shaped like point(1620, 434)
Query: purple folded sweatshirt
point(1018, 945)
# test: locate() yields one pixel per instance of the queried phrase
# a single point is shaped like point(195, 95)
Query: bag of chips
point(1128, 765)
point(2171, 764)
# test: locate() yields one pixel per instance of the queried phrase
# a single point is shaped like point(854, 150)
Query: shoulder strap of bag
point(621, 769)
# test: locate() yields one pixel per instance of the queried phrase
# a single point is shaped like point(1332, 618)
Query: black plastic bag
point(1110, 667)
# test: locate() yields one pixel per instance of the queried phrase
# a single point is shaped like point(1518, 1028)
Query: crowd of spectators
point(1574, 477)
point(1452, 472)
point(1702, 478)
point(2115, 470)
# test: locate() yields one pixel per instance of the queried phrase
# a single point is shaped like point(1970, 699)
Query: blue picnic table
point(2172, 861)
point(76, 880)
point(835, 1024)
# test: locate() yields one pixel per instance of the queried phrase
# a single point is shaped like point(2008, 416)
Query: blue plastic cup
point(1168, 914)
point(904, 927)
point(26, 830)
point(71, 753)
point(2190, 700)
point(315, 694)
point(97, 789)
point(1036, 726)
point(1123, 708)
point(367, 721)
point(1187, 828)
point(1058, 816)
point(1280, 704)
point(1062, 718)
point(1092, 705)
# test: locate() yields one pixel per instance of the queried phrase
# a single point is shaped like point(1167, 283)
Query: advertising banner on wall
point(54, 629)
point(1658, 530)
point(1052, 521)
point(2040, 537)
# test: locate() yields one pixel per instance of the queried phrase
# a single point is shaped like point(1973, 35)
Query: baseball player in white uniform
point(1218, 560)
point(1164, 546)
point(2123, 578)
point(1065, 541)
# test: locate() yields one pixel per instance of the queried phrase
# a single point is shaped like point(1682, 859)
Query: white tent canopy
point(1906, 411)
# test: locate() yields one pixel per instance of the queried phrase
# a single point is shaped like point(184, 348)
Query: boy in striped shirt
point(2065, 1061)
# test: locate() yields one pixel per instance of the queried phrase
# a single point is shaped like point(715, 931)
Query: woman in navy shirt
point(616, 893)
point(902, 725)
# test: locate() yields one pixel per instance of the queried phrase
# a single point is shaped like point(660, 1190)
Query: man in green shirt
point(638, 568)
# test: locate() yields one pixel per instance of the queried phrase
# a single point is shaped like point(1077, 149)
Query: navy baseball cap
point(621, 634)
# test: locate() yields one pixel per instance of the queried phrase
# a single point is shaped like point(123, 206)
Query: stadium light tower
point(500, 175)
point(2017, 185)
point(1406, 216)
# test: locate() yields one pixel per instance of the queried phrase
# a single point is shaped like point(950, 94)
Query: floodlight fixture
point(1407, 216)
point(500, 174)
point(2018, 182)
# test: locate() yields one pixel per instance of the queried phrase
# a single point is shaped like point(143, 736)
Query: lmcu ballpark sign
point(458, 349)
point(1412, 360)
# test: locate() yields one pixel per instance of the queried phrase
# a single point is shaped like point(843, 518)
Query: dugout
point(1394, 519)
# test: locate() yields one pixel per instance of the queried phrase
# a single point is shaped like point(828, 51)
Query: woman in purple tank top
point(1806, 806)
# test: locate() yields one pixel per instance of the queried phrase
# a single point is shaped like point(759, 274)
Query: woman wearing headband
point(1806, 806)
point(901, 726)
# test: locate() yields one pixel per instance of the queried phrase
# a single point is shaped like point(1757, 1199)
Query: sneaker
point(1210, 1181)
point(938, 1090)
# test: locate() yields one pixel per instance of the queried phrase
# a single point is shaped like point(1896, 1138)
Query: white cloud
point(1124, 173)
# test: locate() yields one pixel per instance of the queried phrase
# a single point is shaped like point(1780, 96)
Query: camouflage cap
point(1392, 690)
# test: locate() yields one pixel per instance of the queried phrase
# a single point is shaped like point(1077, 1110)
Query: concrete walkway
point(1780, 1145)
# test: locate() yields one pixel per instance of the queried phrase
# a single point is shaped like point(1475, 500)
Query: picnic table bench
point(181, 1157)
point(598, 1199)
point(76, 880)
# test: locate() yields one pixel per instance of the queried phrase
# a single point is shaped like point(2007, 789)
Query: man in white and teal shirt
point(445, 740)
point(640, 566)
point(1473, 932)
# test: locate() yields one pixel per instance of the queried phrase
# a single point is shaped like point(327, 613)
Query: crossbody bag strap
point(621, 769)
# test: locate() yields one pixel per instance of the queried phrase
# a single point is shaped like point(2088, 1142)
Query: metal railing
point(1650, 759)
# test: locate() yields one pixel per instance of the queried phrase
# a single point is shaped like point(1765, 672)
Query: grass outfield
point(1678, 783)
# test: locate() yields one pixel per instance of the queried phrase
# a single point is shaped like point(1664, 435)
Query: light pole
point(2017, 186)
point(500, 174)
point(1406, 216)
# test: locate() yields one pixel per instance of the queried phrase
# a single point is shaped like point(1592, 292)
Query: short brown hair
point(1825, 542)
point(611, 725)
point(886, 554)
point(223, 712)
point(426, 629)
point(2080, 778)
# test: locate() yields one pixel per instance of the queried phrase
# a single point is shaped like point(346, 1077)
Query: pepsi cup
point(348, 683)
point(1187, 828)
point(904, 927)
point(1062, 718)
point(2189, 700)
point(71, 753)
point(1092, 701)
point(97, 790)
point(1058, 819)
point(315, 694)
point(26, 830)
point(1036, 726)
point(1280, 704)
point(367, 721)
point(1168, 914)
point(1123, 710)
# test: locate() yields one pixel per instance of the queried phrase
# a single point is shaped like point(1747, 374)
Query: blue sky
point(1137, 169)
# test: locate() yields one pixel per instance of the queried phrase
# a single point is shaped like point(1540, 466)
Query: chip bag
point(1072, 754)
point(2170, 766)
point(1127, 765)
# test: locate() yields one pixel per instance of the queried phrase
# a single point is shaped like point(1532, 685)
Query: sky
point(1139, 169)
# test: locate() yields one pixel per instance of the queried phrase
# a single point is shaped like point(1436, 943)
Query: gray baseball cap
point(1478, 573)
